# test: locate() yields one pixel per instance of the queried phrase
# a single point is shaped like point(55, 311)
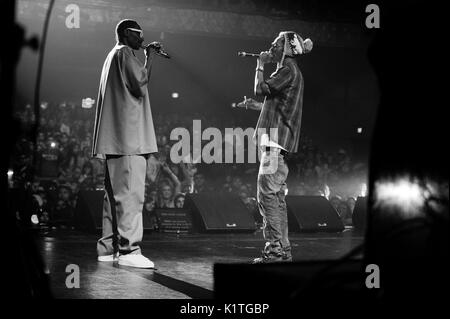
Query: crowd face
point(153, 194)
point(187, 188)
point(150, 205)
point(166, 192)
point(179, 203)
point(64, 194)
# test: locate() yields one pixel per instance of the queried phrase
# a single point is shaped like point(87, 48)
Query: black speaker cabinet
point(312, 214)
point(219, 212)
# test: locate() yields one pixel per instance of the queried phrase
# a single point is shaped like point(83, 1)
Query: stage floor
point(184, 263)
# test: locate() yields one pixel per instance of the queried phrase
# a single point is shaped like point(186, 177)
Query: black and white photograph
point(226, 158)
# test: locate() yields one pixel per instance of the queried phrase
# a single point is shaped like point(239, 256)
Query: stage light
point(87, 103)
point(359, 130)
point(53, 145)
point(10, 173)
point(175, 95)
point(363, 190)
point(403, 194)
point(34, 219)
point(233, 104)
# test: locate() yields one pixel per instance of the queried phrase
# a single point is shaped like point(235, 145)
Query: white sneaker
point(135, 260)
point(112, 257)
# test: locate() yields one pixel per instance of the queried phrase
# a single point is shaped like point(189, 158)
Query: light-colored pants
point(123, 203)
point(271, 190)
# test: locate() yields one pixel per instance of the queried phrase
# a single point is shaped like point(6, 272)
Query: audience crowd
point(64, 166)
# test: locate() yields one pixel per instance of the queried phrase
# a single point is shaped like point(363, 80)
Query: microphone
point(245, 54)
point(159, 50)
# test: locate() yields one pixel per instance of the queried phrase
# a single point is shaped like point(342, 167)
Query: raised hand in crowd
point(176, 182)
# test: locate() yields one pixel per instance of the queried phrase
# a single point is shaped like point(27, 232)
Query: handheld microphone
point(159, 50)
point(245, 54)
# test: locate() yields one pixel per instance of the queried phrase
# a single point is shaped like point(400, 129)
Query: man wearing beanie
point(278, 134)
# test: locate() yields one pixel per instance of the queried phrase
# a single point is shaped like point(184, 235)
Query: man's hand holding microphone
point(155, 47)
point(151, 49)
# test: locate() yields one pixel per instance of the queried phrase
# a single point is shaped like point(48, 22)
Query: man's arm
point(173, 177)
point(135, 76)
point(264, 58)
point(149, 55)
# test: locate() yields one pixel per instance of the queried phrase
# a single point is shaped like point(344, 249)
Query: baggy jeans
point(272, 175)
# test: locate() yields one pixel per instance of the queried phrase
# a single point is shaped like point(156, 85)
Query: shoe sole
point(272, 261)
point(124, 263)
point(109, 259)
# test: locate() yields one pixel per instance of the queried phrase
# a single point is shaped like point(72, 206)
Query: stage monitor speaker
point(89, 210)
point(359, 216)
point(312, 214)
point(221, 212)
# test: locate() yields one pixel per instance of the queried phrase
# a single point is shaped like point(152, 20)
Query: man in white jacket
point(124, 135)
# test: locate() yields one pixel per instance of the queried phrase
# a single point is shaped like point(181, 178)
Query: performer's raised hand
point(151, 48)
point(265, 57)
